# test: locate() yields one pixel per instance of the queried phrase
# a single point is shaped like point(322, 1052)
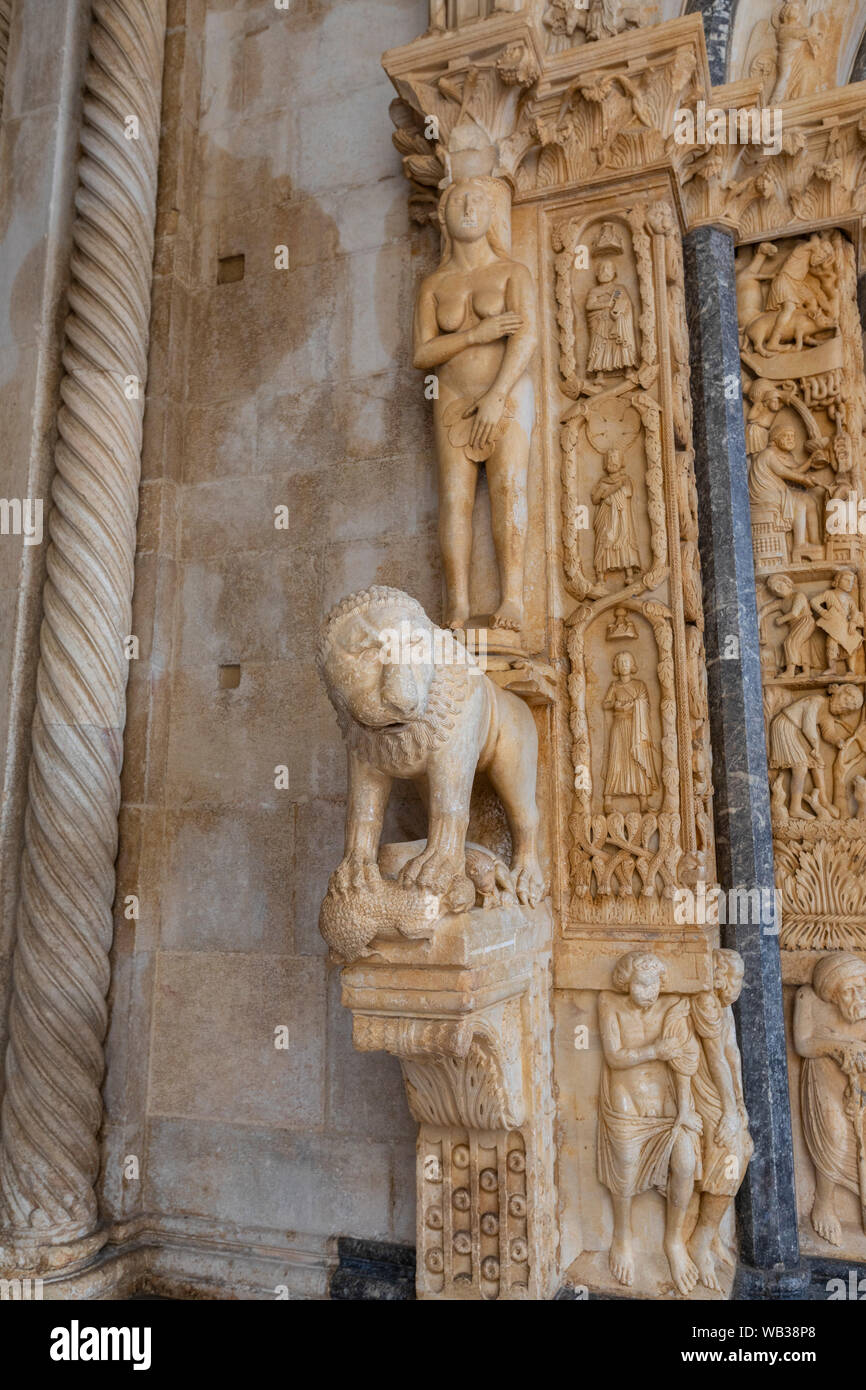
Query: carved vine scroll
point(640, 820)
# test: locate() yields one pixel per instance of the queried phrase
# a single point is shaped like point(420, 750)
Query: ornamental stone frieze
point(555, 116)
point(804, 392)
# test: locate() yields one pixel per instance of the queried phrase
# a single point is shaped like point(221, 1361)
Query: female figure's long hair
point(491, 187)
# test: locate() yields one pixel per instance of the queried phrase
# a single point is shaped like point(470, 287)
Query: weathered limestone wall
point(268, 388)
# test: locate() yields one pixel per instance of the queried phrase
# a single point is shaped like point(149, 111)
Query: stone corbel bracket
point(468, 1015)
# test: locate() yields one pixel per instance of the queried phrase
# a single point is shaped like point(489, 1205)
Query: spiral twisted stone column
point(5, 18)
point(52, 1107)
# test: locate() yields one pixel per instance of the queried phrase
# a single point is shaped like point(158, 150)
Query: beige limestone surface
point(256, 1105)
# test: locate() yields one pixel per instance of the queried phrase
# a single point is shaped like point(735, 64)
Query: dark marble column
point(766, 1207)
point(718, 17)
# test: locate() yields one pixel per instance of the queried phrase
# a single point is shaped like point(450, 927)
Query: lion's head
point(376, 657)
point(390, 673)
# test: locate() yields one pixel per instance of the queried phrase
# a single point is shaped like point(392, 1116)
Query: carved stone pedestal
point(468, 1015)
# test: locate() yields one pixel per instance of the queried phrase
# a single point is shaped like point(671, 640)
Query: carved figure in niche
point(687, 502)
point(830, 1036)
point(795, 745)
point(475, 326)
point(620, 625)
point(843, 465)
point(648, 1128)
point(770, 474)
point(662, 221)
point(767, 400)
point(416, 709)
point(613, 524)
point(609, 241)
point(564, 18)
point(840, 618)
point(632, 763)
point(802, 300)
point(605, 18)
point(599, 19)
point(750, 279)
point(697, 669)
point(610, 319)
point(792, 609)
point(797, 46)
point(717, 1089)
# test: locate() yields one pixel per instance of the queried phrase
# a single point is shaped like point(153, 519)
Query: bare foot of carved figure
point(458, 616)
point(621, 1260)
point(528, 879)
point(508, 615)
point(699, 1249)
point(825, 1221)
point(684, 1272)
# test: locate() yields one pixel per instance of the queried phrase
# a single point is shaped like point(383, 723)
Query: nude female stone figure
point(475, 326)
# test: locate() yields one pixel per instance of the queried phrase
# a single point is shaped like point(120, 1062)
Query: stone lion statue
point(412, 703)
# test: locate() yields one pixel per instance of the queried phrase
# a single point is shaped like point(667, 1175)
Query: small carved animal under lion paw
point(350, 919)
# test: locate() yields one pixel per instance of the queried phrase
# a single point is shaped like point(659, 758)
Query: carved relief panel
point(639, 824)
point(827, 1069)
point(635, 836)
point(804, 398)
point(554, 326)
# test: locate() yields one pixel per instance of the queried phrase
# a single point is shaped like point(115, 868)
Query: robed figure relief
point(837, 613)
point(610, 321)
point(779, 490)
point(830, 1036)
point(790, 608)
point(475, 328)
point(615, 534)
point(717, 1089)
point(795, 739)
point(671, 1112)
point(631, 767)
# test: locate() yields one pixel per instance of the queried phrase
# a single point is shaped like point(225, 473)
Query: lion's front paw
point(529, 880)
point(354, 872)
point(432, 869)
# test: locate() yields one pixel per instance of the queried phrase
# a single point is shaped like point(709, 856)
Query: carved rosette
point(805, 404)
point(52, 1106)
